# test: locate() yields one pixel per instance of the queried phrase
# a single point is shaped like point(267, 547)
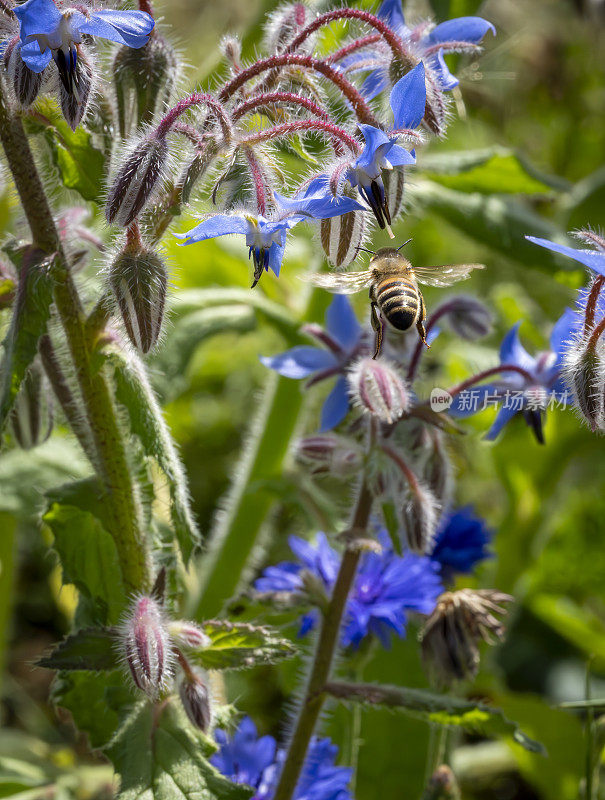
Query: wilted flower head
point(450, 638)
point(255, 761)
point(146, 646)
point(342, 342)
point(377, 389)
point(461, 542)
point(386, 587)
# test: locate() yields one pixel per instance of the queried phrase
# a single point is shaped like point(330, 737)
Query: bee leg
point(377, 326)
point(420, 323)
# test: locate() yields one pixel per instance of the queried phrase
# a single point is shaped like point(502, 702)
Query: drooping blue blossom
point(461, 542)
point(386, 587)
point(382, 151)
point(593, 259)
point(422, 42)
point(266, 238)
point(514, 392)
point(246, 758)
point(47, 32)
point(342, 343)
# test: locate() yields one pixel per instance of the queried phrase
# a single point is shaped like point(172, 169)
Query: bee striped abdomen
point(398, 300)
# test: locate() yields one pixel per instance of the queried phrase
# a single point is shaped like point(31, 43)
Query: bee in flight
point(394, 292)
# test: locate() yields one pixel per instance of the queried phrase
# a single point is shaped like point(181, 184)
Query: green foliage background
point(531, 110)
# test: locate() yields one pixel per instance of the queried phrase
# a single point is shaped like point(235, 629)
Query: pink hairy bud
point(147, 647)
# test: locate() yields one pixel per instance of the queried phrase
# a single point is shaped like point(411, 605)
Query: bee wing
point(340, 282)
point(444, 275)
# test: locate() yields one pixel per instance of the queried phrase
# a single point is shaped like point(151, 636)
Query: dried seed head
point(74, 104)
point(468, 317)
point(376, 388)
point(146, 647)
point(442, 785)
point(195, 698)
point(24, 82)
point(584, 373)
point(31, 417)
point(136, 180)
point(144, 81)
point(188, 634)
point(420, 517)
point(330, 453)
point(139, 279)
point(450, 638)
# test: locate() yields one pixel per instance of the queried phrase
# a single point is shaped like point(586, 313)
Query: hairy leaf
point(473, 717)
point(160, 756)
point(90, 649)
point(238, 645)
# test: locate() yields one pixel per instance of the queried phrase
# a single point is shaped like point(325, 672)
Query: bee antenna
point(403, 245)
point(365, 250)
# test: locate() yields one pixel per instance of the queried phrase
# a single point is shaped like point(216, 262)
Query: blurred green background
point(536, 99)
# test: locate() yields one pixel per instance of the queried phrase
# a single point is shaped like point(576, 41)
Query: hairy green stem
point(98, 401)
point(327, 644)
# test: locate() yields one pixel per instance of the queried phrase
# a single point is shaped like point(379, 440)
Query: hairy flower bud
point(450, 638)
point(283, 25)
point(195, 698)
point(188, 634)
point(377, 389)
point(420, 517)
point(31, 417)
point(584, 373)
point(231, 48)
point(144, 81)
point(24, 82)
point(442, 785)
point(139, 279)
point(136, 180)
point(437, 468)
point(74, 104)
point(330, 453)
point(147, 648)
point(468, 317)
point(341, 237)
point(394, 184)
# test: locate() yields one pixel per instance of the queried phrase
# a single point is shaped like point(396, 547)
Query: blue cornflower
point(593, 259)
point(423, 43)
point(266, 239)
point(386, 587)
point(517, 393)
point(461, 542)
point(49, 32)
point(255, 761)
point(342, 340)
point(381, 151)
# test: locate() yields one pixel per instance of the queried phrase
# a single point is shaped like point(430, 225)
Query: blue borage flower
point(246, 758)
point(342, 340)
point(461, 542)
point(47, 32)
point(516, 393)
point(421, 42)
point(593, 259)
point(386, 587)
point(382, 151)
point(266, 238)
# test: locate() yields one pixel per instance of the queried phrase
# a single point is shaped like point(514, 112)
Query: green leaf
point(472, 717)
point(491, 171)
point(238, 645)
point(147, 422)
point(92, 649)
point(160, 756)
point(31, 313)
point(89, 557)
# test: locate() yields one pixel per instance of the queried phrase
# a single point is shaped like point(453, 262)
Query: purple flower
point(408, 100)
point(342, 340)
point(423, 43)
point(386, 587)
point(516, 393)
point(266, 239)
point(461, 542)
point(47, 32)
point(255, 761)
point(593, 259)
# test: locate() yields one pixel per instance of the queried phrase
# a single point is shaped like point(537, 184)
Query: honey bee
point(394, 292)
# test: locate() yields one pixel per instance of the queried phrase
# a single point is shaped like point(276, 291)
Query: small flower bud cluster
point(377, 389)
point(139, 280)
point(451, 635)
